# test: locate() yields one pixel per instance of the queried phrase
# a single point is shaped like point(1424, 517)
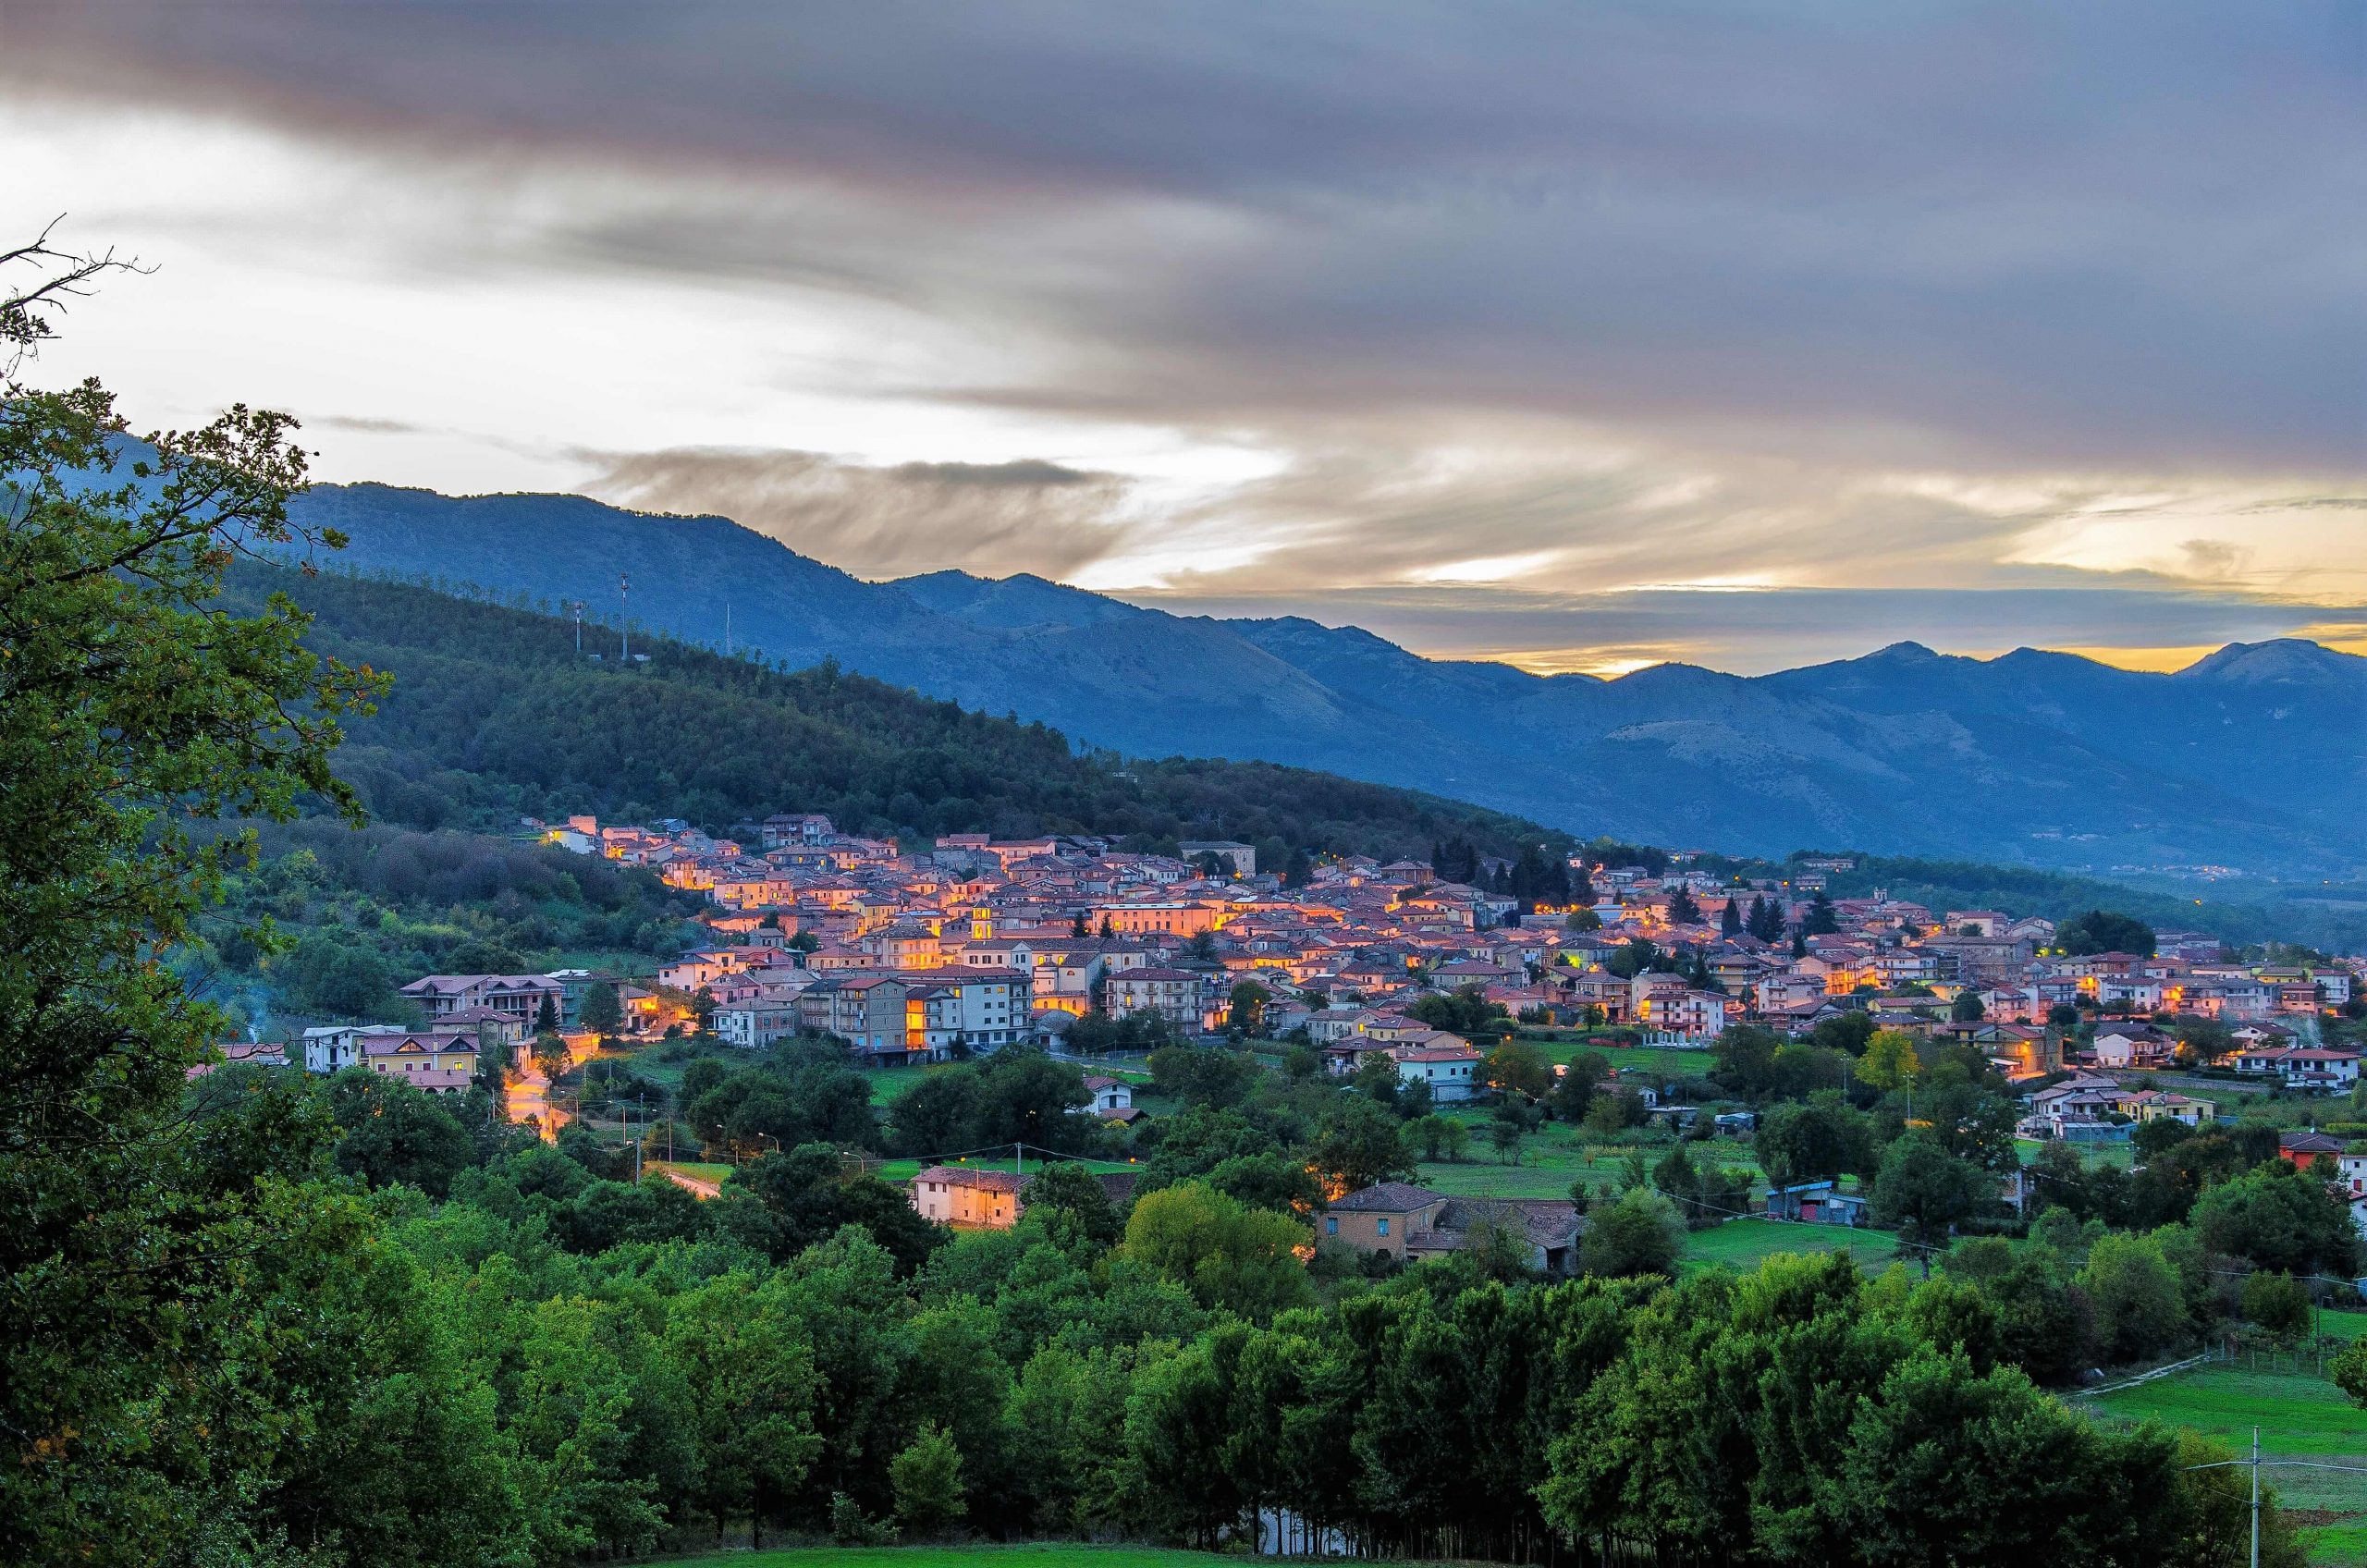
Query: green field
point(2299, 1417)
point(1744, 1245)
point(1486, 1178)
point(1660, 1060)
point(1045, 1552)
point(900, 1170)
point(705, 1170)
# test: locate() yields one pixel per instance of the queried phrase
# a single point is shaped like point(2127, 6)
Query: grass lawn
point(1657, 1060)
point(1047, 1552)
point(2299, 1417)
point(897, 1171)
point(2092, 1156)
point(644, 1060)
point(1744, 1245)
point(1487, 1179)
point(704, 1169)
point(1555, 1156)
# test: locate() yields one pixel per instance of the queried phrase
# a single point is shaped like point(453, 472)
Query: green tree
point(2101, 931)
point(1505, 1129)
point(1967, 1008)
point(1440, 1137)
point(749, 1367)
point(1248, 1007)
point(1925, 1190)
point(926, 1478)
point(1641, 1233)
point(2140, 1309)
point(1074, 1208)
point(2278, 1305)
point(394, 1132)
point(1519, 1068)
point(1228, 1255)
point(2348, 1371)
point(1890, 1061)
point(603, 1012)
point(132, 711)
point(1358, 1145)
point(2278, 1218)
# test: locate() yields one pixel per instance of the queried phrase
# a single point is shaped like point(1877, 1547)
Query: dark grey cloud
point(2112, 233)
point(882, 521)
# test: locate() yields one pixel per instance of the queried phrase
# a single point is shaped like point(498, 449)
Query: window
point(1331, 1227)
point(1384, 1227)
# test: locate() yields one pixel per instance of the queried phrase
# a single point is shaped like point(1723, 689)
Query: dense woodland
point(616, 1367)
point(497, 714)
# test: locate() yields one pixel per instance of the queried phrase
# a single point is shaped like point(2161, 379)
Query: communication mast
point(624, 606)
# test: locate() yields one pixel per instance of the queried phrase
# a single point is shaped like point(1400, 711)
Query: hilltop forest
point(496, 713)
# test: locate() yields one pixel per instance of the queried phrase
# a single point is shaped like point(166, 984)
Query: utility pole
point(624, 605)
point(726, 629)
point(636, 1142)
point(2255, 1496)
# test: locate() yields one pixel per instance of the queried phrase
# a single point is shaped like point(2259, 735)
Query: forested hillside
point(2032, 758)
point(494, 713)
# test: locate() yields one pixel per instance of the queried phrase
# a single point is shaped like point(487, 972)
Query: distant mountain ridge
point(2255, 757)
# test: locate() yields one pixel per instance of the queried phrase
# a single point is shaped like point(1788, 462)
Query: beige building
point(1380, 1218)
point(1413, 1224)
point(958, 1196)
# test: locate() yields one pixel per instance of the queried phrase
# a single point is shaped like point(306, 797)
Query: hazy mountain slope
point(2255, 757)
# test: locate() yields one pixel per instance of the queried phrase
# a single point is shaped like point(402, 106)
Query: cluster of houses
point(915, 955)
point(440, 1061)
point(975, 942)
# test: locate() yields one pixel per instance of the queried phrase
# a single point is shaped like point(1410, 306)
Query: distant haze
point(1579, 337)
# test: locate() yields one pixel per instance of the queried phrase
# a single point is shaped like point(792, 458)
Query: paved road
point(528, 1093)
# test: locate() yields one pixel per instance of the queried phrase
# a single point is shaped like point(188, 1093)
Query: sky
point(1584, 336)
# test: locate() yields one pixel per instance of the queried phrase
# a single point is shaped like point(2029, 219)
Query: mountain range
point(2254, 758)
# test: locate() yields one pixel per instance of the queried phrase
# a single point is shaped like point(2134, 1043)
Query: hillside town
point(922, 956)
point(976, 942)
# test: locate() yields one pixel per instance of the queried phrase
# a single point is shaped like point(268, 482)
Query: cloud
point(367, 424)
point(1833, 227)
point(1516, 312)
point(883, 522)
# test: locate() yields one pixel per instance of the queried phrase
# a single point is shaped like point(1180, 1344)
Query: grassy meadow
point(2300, 1416)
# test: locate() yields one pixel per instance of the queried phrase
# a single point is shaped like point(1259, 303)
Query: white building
point(333, 1048)
point(1452, 1072)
